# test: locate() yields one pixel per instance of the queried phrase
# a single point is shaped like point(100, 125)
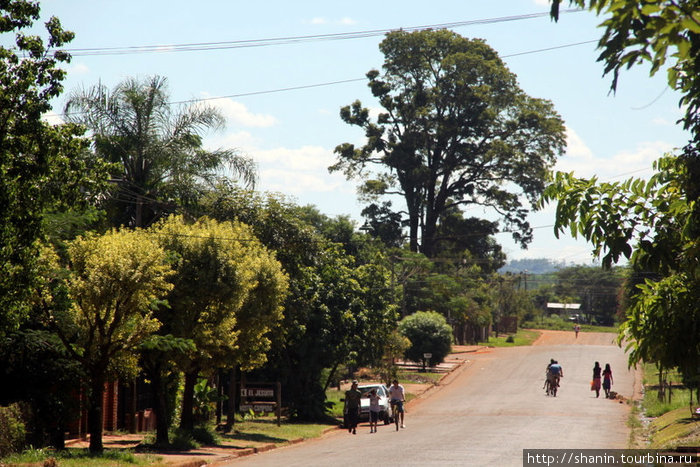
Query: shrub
point(12, 430)
point(428, 332)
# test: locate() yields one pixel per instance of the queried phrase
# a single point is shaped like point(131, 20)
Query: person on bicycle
point(554, 373)
point(398, 397)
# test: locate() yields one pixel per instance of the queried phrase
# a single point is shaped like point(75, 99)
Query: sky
point(281, 86)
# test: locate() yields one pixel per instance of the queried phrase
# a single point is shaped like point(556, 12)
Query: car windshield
point(366, 390)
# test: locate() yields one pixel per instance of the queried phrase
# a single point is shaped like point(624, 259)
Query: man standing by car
point(398, 397)
point(352, 407)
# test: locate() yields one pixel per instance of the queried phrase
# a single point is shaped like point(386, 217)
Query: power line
point(316, 85)
point(274, 41)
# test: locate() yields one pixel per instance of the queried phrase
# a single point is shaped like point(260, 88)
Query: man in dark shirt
point(352, 407)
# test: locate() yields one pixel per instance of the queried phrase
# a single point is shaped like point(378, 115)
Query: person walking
point(595, 384)
point(607, 380)
point(374, 410)
point(352, 407)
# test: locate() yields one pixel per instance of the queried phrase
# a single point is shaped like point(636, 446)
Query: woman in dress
point(607, 380)
point(595, 385)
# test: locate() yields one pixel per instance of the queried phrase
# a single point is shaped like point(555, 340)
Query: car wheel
point(386, 417)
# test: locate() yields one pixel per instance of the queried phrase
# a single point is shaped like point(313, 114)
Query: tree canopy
point(117, 280)
point(40, 165)
point(227, 295)
point(156, 147)
point(455, 130)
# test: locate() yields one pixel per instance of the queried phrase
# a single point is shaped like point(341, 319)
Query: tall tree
point(338, 309)
point(228, 294)
point(116, 282)
point(33, 154)
point(157, 147)
point(456, 130)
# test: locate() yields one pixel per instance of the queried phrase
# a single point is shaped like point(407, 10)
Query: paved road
point(490, 411)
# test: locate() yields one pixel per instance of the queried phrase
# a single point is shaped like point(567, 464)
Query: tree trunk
point(413, 233)
point(187, 416)
point(95, 415)
point(160, 408)
point(231, 412)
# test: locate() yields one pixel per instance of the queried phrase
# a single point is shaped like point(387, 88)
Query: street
point(488, 412)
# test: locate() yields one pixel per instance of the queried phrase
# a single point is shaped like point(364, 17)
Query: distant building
point(565, 310)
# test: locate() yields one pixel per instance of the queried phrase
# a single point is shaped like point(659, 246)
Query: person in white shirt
point(374, 410)
point(398, 397)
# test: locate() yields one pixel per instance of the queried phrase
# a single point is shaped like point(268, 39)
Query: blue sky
point(291, 134)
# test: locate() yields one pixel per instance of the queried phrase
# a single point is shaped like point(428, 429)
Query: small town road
point(488, 411)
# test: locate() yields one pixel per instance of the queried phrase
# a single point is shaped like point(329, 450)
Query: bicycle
point(395, 413)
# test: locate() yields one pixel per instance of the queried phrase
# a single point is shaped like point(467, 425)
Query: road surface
point(491, 409)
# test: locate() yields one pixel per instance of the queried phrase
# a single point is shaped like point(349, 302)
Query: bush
point(428, 332)
point(12, 430)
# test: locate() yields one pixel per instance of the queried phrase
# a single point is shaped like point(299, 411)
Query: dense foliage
point(455, 130)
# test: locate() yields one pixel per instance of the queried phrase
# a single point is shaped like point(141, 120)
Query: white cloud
point(78, 69)
point(238, 114)
point(318, 20)
point(298, 182)
point(347, 21)
point(232, 140)
point(541, 2)
point(306, 158)
point(584, 163)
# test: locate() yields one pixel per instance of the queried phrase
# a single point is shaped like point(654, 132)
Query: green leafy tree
point(116, 281)
point(597, 290)
point(156, 148)
point(428, 332)
point(338, 309)
point(644, 221)
point(40, 164)
point(395, 345)
point(661, 217)
point(456, 130)
point(227, 295)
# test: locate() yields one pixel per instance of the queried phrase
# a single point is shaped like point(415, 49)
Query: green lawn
point(81, 458)
point(522, 337)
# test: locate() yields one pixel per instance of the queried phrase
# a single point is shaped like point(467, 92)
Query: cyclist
point(554, 373)
point(398, 397)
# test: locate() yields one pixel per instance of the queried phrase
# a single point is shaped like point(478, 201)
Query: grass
point(73, 457)
point(557, 324)
point(264, 430)
point(672, 425)
point(522, 337)
point(673, 429)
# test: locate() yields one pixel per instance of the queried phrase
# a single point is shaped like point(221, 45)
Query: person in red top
point(607, 380)
point(595, 385)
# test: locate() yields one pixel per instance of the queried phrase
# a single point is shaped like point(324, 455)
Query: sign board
point(261, 397)
point(258, 392)
point(258, 407)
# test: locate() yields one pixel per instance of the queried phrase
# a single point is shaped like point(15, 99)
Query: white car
point(384, 403)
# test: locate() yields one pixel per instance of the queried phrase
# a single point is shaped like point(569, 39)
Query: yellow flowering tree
point(116, 281)
point(228, 294)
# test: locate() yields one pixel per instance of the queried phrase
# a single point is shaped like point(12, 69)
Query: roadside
point(246, 443)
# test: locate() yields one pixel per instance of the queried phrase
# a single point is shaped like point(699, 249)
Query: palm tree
point(156, 148)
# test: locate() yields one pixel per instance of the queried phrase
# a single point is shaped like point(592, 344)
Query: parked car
point(384, 403)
